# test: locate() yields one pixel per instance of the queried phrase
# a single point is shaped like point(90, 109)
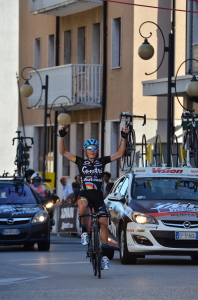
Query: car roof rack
point(165, 171)
point(6, 175)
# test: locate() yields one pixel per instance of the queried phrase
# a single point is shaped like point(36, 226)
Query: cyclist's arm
point(121, 149)
point(62, 149)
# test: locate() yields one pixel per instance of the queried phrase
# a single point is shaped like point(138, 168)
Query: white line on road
point(56, 263)
point(20, 279)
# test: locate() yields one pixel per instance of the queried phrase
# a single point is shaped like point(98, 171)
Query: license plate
point(186, 235)
point(10, 231)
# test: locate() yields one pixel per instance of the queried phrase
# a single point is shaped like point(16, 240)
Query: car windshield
point(16, 193)
point(165, 188)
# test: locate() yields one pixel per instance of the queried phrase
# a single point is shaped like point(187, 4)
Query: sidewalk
point(64, 239)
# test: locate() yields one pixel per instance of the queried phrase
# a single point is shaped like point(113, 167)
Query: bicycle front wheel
point(158, 151)
point(20, 158)
point(93, 252)
point(98, 249)
point(130, 149)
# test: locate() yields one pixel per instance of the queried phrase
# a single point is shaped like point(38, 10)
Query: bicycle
point(175, 152)
point(190, 138)
point(128, 159)
point(94, 250)
point(21, 155)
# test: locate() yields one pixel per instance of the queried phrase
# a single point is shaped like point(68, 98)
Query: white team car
point(154, 211)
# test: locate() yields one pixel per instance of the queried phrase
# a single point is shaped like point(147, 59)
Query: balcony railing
point(81, 83)
point(61, 7)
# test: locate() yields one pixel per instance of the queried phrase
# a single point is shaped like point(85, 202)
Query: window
point(49, 148)
point(37, 53)
point(80, 140)
point(95, 131)
point(66, 162)
point(192, 36)
point(67, 47)
point(116, 43)
point(51, 51)
point(96, 44)
point(81, 46)
point(115, 139)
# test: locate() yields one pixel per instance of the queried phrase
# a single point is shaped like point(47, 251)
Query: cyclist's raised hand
point(124, 132)
point(63, 131)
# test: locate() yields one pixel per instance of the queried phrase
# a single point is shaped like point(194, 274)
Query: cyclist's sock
point(84, 228)
point(105, 249)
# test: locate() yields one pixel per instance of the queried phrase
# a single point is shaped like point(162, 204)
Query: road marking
point(36, 259)
point(56, 263)
point(19, 280)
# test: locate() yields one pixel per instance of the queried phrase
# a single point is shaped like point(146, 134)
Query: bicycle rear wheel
point(195, 149)
point(144, 161)
point(130, 149)
point(20, 158)
point(158, 151)
point(174, 151)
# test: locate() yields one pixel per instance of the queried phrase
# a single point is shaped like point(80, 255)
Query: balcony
point(62, 8)
point(81, 83)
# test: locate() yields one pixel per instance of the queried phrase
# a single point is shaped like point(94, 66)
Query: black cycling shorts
point(95, 199)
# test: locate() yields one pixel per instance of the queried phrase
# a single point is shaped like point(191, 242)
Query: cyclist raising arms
point(91, 189)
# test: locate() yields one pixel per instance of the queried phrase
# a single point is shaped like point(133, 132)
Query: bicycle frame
point(127, 160)
point(94, 250)
point(20, 160)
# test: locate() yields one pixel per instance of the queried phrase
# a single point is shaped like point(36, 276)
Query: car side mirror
point(116, 197)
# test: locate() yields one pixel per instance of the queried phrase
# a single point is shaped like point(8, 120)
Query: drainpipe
point(104, 79)
point(56, 113)
point(173, 66)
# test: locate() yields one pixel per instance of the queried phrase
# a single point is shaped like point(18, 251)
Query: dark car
point(23, 218)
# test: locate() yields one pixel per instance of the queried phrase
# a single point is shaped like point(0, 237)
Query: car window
point(122, 186)
point(16, 194)
point(165, 188)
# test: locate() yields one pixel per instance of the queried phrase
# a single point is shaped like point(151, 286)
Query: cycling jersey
point(91, 173)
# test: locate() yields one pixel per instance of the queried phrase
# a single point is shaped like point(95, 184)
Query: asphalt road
point(65, 273)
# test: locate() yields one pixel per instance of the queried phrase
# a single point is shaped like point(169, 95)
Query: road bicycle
point(190, 138)
point(94, 249)
point(175, 162)
point(128, 159)
point(21, 152)
point(157, 154)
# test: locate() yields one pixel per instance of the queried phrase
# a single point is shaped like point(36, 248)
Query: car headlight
point(40, 217)
point(143, 218)
point(49, 204)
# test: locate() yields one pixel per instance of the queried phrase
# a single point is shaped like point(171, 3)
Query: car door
point(116, 208)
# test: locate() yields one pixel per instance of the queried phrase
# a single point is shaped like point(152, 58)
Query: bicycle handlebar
point(186, 114)
point(98, 215)
point(128, 115)
point(22, 138)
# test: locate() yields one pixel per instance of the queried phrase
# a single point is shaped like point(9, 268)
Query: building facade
point(89, 51)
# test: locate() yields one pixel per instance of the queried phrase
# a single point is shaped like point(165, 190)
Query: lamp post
point(146, 51)
point(27, 90)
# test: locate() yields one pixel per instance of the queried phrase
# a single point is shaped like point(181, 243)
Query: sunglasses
point(92, 148)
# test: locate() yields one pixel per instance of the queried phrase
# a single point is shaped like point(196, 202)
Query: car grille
point(16, 221)
point(194, 224)
point(167, 239)
point(18, 237)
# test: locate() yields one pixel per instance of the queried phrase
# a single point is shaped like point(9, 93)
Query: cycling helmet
point(29, 172)
point(36, 176)
point(91, 142)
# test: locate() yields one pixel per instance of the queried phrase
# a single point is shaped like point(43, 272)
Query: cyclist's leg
point(82, 205)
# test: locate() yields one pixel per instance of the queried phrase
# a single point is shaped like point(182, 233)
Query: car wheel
point(110, 253)
point(125, 257)
point(29, 245)
point(194, 258)
point(44, 246)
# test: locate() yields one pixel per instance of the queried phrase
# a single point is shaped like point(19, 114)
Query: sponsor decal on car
point(140, 230)
point(130, 230)
point(166, 170)
point(151, 227)
point(170, 207)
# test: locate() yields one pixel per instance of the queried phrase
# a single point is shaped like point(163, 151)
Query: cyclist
point(37, 185)
point(28, 173)
point(91, 189)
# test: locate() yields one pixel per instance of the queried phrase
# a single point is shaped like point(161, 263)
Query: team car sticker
point(176, 207)
point(140, 230)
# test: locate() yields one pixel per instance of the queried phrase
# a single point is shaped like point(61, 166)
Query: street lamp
point(170, 49)
point(27, 90)
point(192, 86)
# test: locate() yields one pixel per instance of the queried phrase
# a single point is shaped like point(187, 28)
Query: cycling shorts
point(95, 199)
